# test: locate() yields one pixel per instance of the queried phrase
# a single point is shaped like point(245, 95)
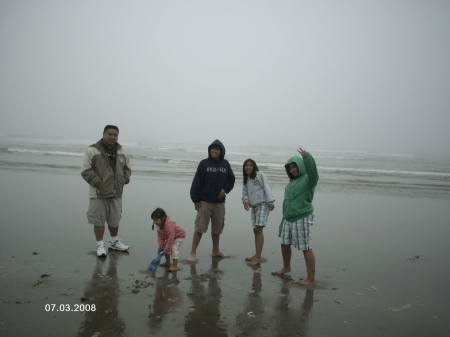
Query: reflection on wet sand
point(289, 318)
point(252, 321)
point(167, 297)
point(203, 319)
point(103, 291)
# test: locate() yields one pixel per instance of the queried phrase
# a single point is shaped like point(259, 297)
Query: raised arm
point(310, 166)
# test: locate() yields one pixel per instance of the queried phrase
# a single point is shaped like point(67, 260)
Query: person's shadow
point(167, 297)
point(203, 319)
point(103, 291)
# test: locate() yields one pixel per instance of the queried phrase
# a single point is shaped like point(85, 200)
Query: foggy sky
point(351, 75)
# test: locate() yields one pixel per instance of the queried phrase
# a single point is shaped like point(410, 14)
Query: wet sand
point(382, 267)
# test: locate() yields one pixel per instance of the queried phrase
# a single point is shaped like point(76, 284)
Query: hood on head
point(300, 164)
point(217, 143)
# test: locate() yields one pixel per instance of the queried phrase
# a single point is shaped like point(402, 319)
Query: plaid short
point(260, 214)
point(297, 233)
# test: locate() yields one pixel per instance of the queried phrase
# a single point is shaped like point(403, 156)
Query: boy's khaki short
point(213, 211)
point(105, 210)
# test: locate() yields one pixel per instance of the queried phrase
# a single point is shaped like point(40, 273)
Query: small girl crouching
point(170, 237)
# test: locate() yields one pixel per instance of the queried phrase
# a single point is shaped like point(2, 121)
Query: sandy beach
point(382, 266)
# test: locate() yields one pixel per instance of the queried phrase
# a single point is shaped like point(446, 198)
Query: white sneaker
point(117, 245)
point(101, 251)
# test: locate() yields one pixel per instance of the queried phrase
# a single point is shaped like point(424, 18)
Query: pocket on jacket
point(104, 188)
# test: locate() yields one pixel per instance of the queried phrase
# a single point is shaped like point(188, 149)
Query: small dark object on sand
point(35, 253)
point(414, 259)
point(39, 282)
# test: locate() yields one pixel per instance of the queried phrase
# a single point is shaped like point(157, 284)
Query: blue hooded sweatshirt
point(211, 176)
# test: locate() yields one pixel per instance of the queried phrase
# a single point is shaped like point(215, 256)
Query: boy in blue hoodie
point(298, 213)
point(212, 181)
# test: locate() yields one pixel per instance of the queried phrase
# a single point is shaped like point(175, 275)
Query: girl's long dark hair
point(253, 174)
point(158, 213)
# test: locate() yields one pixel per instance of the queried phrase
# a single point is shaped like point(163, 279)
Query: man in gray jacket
point(106, 169)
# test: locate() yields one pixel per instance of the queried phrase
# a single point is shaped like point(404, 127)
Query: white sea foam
point(384, 172)
point(45, 152)
point(394, 168)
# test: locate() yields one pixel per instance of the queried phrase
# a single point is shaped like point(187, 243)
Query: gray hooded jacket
point(257, 190)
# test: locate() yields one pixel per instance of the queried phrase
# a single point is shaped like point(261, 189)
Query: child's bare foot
point(165, 264)
point(281, 272)
point(173, 268)
point(192, 258)
point(305, 282)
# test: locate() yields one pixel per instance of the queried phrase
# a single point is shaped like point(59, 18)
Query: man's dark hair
point(109, 126)
point(253, 174)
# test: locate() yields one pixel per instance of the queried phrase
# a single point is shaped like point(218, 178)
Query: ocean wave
point(270, 167)
point(352, 170)
point(45, 141)
point(357, 171)
point(180, 148)
point(364, 153)
point(276, 177)
point(261, 165)
point(246, 154)
point(15, 164)
point(42, 152)
point(277, 173)
point(164, 159)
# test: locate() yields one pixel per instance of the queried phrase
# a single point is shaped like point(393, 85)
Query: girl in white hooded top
point(257, 196)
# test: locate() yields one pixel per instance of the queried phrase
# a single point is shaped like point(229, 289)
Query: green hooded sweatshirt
point(299, 193)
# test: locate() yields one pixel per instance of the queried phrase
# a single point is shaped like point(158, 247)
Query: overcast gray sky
point(353, 75)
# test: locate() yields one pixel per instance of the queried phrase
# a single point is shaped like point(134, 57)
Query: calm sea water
point(342, 170)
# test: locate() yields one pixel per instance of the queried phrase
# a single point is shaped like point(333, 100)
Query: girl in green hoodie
point(298, 213)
